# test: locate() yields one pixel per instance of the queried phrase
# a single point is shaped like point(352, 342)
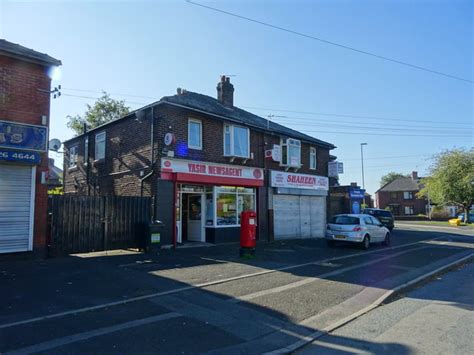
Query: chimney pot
point(414, 175)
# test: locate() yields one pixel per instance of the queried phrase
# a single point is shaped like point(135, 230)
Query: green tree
point(387, 178)
point(104, 110)
point(451, 180)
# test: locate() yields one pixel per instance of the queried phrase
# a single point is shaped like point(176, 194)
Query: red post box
point(248, 231)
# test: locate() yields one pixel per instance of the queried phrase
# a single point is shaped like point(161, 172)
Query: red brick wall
point(128, 152)
point(22, 101)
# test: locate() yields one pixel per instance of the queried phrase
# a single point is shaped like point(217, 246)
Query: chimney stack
point(414, 175)
point(225, 92)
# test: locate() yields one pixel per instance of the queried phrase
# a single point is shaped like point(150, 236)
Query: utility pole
point(362, 161)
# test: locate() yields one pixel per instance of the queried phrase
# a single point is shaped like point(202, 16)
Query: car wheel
point(366, 243)
point(330, 243)
point(387, 241)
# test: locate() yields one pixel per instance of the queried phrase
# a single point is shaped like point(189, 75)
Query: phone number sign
point(22, 157)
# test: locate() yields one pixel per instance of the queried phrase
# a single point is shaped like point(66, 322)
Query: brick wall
point(128, 152)
point(22, 101)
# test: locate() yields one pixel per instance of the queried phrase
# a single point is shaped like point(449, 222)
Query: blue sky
point(148, 49)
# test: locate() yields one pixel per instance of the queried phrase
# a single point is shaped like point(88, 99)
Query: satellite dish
point(54, 144)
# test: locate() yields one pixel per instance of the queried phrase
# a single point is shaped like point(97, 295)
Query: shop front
point(20, 147)
point(298, 204)
point(208, 199)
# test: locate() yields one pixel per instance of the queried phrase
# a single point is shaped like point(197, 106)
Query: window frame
point(411, 208)
point(409, 193)
point(96, 145)
point(285, 144)
point(190, 146)
point(73, 162)
point(232, 145)
point(313, 158)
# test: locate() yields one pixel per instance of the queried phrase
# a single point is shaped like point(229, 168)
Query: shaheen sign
point(299, 181)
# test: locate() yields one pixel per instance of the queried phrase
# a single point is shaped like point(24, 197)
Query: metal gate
point(81, 224)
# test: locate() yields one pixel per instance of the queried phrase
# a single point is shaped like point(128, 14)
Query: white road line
point(54, 343)
point(315, 278)
point(304, 340)
point(202, 285)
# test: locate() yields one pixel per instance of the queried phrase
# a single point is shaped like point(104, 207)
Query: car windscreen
point(383, 214)
point(345, 220)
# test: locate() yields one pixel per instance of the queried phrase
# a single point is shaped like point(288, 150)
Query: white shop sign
point(211, 169)
point(299, 181)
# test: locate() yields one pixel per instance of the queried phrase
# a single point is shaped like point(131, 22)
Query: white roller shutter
point(16, 207)
point(299, 216)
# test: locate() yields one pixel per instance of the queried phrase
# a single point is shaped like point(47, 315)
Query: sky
point(141, 51)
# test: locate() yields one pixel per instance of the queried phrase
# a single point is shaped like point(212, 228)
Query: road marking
point(202, 285)
point(308, 280)
point(51, 344)
point(304, 340)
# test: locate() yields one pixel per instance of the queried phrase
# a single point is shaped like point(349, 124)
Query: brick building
point(210, 160)
point(400, 196)
point(24, 120)
point(348, 199)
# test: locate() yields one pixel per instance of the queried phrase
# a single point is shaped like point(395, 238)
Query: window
point(100, 146)
point(345, 220)
point(312, 158)
point(194, 134)
point(408, 195)
point(408, 210)
point(73, 156)
point(230, 202)
point(236, 141)
point(393, 195)
point(368, 220)
point(291, 153)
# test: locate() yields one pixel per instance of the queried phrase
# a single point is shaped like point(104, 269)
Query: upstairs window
point(291, 153)
point(312, 158)
point(408, 195)
point(73, 153)
point(194, 134)
point(393, 195)
point(236, 141)
point(100, 146)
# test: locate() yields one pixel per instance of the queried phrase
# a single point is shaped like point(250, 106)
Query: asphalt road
point(206, 300)
point(437, 318)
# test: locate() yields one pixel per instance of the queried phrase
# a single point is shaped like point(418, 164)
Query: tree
point(451, 180)
point(104, 110)
point(388, 178)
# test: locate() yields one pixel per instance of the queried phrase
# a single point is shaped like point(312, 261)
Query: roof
point(213, 106)
point(401, 184)
point(209, 105)
point(17, 51)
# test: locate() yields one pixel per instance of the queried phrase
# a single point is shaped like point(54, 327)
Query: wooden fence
point(81, 224)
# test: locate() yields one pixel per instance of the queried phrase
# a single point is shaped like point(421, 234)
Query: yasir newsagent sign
point(299, 181)
point(23, 136)
point(210, 169)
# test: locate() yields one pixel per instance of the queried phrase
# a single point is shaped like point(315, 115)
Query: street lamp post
point(362, 161)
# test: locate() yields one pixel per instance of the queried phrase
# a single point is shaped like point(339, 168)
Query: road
point(437, 318)
point(207, 300)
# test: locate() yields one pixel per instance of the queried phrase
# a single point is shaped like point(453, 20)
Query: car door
point(369, 226)
point(379, 229)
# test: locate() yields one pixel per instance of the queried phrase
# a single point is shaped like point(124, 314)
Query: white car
point(357, 228)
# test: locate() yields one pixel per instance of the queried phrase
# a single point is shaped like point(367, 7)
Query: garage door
point(16, 212)
point(299, 216)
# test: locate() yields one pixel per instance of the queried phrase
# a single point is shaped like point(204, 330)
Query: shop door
point(16, 207)
point(194, 218)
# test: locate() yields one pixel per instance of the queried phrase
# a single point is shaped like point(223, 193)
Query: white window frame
point(232, 147)
point(407, 195)
point(411, 210)
point(99, 139)
point(285, 144)
point(193, 120)
point(73, 154)
point(313, 162)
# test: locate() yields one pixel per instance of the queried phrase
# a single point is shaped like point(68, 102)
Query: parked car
point(357, 228)
point(384, 216)
point(471, 216)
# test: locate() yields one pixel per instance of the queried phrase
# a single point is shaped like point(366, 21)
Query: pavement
point(437, 318)
point(207, 300)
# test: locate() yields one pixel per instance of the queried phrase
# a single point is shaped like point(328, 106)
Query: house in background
point(55, 175)
point(205, 160)
point(25, 86)
point(400, 196)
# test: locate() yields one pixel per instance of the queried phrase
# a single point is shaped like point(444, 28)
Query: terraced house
point(206, 160)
